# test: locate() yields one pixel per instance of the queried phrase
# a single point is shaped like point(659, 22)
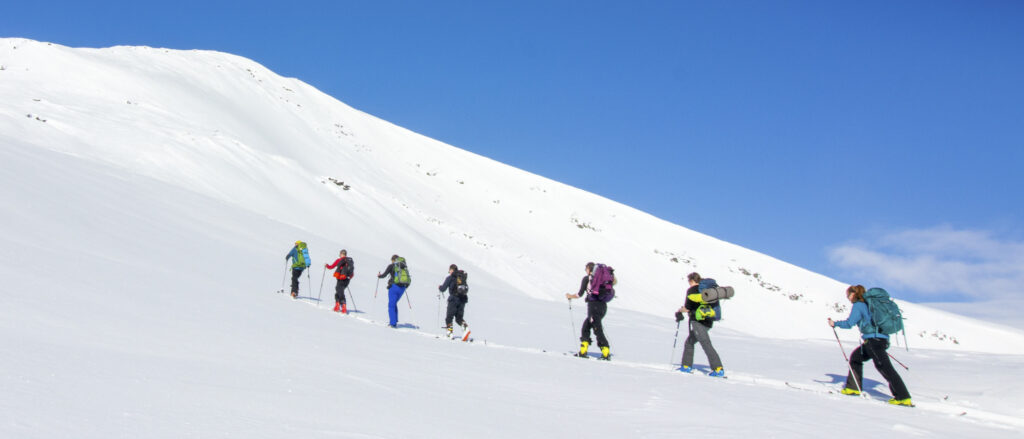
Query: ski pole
point(321, 287)
point(898, 361)
point(676, 340)
point(439, 309)
point(310, 283)
point(848, 365)
point(284, 276)
point(351, 296)
point(375, 289)
point(572, 321)
point(407, 299)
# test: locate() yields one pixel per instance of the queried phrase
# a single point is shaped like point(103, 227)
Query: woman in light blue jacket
point(873, 347)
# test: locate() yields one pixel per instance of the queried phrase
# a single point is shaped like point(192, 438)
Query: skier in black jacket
point(596, 310)
point(457, 288)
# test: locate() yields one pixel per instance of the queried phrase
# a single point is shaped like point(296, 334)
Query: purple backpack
point(602, 282)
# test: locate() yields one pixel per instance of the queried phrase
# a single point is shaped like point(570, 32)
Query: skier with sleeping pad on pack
point(702, 317)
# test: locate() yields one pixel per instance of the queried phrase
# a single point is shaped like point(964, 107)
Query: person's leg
point(597, 310)
point(394, 293)
point(688, 345)
point(460, 311)
point(585, 328)
point(296, 273)
point(855, 379)
point(700, 332)
point(452, 310)
point(339, 291)
point(884, 367)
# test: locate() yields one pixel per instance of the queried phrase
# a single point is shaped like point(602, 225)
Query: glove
point(680, 316)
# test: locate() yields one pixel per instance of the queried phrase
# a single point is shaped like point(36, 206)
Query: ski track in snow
point(738, 378)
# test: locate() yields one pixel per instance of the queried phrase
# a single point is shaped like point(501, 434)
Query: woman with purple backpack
point(597, 285)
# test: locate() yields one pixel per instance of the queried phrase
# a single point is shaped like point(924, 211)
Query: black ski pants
point(874, 349)
point(456, 309)
point(595, 312)
point(296, 273)
point(339, 290)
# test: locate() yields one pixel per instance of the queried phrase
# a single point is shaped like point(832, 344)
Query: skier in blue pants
point(396, 287)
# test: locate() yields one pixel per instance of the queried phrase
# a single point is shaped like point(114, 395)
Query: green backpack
point(886, 317)
point(301, 256)
point(400, 273)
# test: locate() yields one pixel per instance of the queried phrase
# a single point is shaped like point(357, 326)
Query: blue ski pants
point(395, 293)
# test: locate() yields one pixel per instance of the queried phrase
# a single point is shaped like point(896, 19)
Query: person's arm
point(584, 284)
point(858, 313)
point(335, 264)
point(387, 271)
point(447, 283)
point(583, 288)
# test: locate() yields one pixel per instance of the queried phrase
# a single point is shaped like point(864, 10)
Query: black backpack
point(347, 267)
point(461, 287)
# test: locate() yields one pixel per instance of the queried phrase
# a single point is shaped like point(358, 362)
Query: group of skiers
point(399, 280)
point(597, 286)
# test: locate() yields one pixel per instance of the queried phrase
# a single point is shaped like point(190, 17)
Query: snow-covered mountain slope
point(149, 197)
point(227, 128)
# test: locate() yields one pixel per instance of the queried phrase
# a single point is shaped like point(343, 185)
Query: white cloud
point(939, 261)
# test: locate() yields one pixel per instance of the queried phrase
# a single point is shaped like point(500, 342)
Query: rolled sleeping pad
point(717, 293)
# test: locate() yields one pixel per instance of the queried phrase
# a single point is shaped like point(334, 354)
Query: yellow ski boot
point(903, 402)
point(584, 347)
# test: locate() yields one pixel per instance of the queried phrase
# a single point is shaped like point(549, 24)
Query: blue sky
point(874, 142)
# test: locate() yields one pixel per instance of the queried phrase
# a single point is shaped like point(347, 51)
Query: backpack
point(400, 273)
point(301, 256)
point(711, 293)
point(602, 283)
point(886, 317)
point(348, 265)
point(461, 287)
